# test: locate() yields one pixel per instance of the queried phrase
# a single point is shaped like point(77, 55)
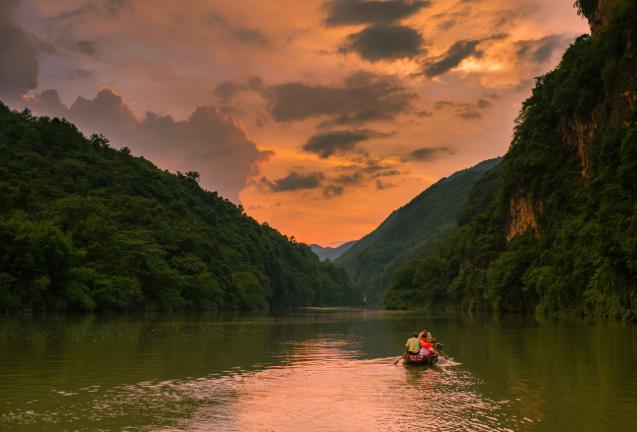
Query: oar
point(397, 360)
point(444, 354)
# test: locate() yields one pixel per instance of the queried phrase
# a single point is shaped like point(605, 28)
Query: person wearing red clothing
point(426, 343)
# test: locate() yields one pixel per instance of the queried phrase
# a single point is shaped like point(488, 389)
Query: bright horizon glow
point(444, 107)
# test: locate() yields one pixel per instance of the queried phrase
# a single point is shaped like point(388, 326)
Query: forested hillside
point(409, 231)
point(560, 231)
point(87, 227)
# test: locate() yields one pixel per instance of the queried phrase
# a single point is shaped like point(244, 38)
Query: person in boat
point(426, 347)
point(412, 346)
point(427, 344)
point(425, 335)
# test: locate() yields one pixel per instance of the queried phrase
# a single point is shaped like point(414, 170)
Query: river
point(313, 370)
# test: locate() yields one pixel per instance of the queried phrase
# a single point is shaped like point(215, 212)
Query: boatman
point(412, 346)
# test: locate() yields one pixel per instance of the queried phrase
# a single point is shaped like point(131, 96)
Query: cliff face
point(578, 135)
point(599, 15)
point(580, 131)
point(571, 181)
point(560, 232)
point(522, 215)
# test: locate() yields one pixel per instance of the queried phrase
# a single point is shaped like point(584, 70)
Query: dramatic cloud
point(375, 169)
point(357, 175)
point(459, 51)
point(363, 97)
point(332, 191)
point(247, 35)
point(96, 8)
point(381, 185)
point(350, 179)
point(293, 182)
point(384, 42)
point(470, 115)
point(251, 35)
point(87, 47)
point(229, 89)
point(360, 175)
point(167, 58)
point(206, 142)
point(426, 153)
point(350, 12)
point(18, 56)
point(450, 19)
point(328, 143)
point(540, 50)
point(453, 57)
point(465, 110)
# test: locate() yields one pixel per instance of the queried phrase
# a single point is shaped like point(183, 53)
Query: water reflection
point(323, 388)
point(315, 371)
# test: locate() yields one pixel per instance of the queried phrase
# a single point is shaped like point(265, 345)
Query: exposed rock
point(522, 216)
point(579, 134)
point(599, 18)
point(630, 97)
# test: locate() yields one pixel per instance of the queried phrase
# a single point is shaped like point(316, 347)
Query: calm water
point(319, 370)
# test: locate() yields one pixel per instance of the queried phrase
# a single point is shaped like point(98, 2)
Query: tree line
point(84, 226)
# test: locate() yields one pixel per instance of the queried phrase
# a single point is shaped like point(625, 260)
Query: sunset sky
point(319, 117)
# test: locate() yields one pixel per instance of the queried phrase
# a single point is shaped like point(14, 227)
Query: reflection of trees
point(67, 351)
point(126, 349)
point(565, 373)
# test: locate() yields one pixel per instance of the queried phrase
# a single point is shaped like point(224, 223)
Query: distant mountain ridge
point(409, 231)
point(331, 253)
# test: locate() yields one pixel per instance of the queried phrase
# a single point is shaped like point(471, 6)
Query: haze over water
point(315, 370)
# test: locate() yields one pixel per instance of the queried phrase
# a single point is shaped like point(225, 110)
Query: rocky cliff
point(560, 232)
point(598, 14)
point(582, 130)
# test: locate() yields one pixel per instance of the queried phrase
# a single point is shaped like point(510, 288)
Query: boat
point(418, 360)
point(428, 360)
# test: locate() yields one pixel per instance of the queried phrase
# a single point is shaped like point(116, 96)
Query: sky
point(319, 117)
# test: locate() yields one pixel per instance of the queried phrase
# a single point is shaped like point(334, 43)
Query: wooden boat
point(417, 360)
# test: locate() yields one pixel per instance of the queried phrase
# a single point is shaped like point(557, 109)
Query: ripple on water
point(322, 386)
point(329, 390)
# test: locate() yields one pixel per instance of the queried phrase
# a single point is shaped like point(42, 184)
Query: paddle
point(438, 348)
point(397, 360)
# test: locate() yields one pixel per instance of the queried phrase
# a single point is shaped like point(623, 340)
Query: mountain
point(557, 232)
point(86, 227)
point(409, 231)
point(329, 253)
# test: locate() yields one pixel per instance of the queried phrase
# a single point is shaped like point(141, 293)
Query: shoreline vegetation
point(550, 230)
point(556, 230)
point(85, 227)
point(424, 314)
point(410, 231)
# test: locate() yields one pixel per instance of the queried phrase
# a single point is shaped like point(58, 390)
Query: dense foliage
point(84, 226)
point(574, 157)
point(409, 231)
point(586, 7)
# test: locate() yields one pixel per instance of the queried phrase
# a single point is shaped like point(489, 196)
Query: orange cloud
point(290, 79)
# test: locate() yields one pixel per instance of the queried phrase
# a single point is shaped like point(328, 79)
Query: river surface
point(313, 370)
